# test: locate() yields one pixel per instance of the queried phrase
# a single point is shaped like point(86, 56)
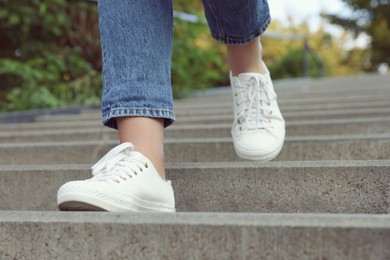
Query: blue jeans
point(136, 37)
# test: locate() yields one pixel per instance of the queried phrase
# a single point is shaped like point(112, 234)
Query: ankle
point(157, 159)
point(147, 136)
point(261, 69)
point(246, 58)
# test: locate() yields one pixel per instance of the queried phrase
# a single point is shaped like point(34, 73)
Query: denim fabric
point(136, 37)
point(234, 22)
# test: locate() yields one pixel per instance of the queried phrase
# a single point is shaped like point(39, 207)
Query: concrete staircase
point(326, 196)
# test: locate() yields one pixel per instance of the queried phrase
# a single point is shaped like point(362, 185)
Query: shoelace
point(117, 165)
point(252, 113)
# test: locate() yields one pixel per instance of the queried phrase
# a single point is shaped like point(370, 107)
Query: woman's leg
point(238, 25)
point(246, 58)
point(258, 128)
point(147, 135)
point(137, 99)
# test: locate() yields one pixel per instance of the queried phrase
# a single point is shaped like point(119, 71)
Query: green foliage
point(197, 61)
point(291, 66)
point(45, 61)
point(51, 57)
point(50, 53)
point(324, 47)
point(372, 18)
point(45, 82)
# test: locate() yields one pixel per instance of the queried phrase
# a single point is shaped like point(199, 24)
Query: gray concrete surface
point(326, 186)
point(227, 108)
point(306, 115)
point(25, 128)
point(350, 147)
point(7, 128)
point(46, 235)
point(227, 117)
point(214, 102)
point(376, 125)
point(240, 210)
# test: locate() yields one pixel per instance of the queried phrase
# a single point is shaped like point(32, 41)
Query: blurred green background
point(50, 53)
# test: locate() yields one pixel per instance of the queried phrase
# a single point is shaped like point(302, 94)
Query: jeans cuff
point(231, 40)
point(109, 117)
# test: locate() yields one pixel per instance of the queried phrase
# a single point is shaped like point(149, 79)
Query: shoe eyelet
point(146, 165)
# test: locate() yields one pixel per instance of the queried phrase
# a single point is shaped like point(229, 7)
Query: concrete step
point(349, 84)
point(74, 235)
point(326, 86)
point(227, 108)
point(11, 129)
point(303, 94)
point(293, 128)
point(307, 115)
point(326, 186)
point(368, 125)
point(328, 119)
point(309, 101)
point(43, 126)
point(216, 112)
point(227, 117)
point(349, 147)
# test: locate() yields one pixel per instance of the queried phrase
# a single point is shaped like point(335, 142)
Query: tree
point(48, 54)
point(373, 18)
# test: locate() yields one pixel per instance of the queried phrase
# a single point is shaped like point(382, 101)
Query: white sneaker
point(123, 180)
point(258, 129)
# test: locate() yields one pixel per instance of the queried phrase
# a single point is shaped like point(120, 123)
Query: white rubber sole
point(258, 156)
point(84, 202)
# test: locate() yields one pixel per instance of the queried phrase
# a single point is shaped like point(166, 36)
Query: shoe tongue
point(113, 153)
point(247, 76)
point(142, 158)
point(139, 156)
